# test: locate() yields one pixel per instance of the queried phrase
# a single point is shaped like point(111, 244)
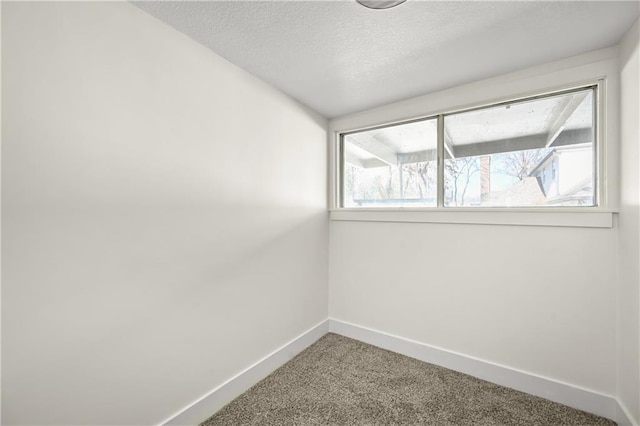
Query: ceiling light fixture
point(380, 4)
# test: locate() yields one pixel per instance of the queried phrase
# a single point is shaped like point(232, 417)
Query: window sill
point(564, 217)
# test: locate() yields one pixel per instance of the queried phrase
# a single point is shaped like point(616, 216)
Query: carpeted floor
point(340, 381)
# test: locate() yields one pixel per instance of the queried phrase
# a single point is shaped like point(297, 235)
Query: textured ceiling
point(338, 57)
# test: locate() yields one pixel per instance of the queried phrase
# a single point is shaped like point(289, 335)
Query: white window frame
point(600, 215)
point(440, 117)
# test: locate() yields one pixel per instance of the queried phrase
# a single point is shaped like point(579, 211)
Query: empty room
point(361, 212)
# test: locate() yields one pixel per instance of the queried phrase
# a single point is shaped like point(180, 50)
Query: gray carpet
point(341, 381)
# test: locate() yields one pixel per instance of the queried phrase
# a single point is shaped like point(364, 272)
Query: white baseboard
point(564, 393)
point(623, 416)
point(208, 404)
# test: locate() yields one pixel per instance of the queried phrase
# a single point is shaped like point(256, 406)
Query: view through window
point(535, 152)
point(393, 166)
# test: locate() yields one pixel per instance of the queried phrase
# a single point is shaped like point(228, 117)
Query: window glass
point(532, 153)
point(538, 152)
point(394, 166)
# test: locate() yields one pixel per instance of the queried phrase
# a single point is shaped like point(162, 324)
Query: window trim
point(496, 215)
point(599, 218)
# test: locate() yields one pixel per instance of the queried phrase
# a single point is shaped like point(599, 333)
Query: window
point(392, 166)
point(532, 153)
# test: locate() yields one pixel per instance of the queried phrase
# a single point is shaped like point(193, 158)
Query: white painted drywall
point(629, 228)
point(537, 299)
point(534, 298)
point(164, 217)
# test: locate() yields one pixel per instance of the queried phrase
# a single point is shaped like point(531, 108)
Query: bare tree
point(349, 180)
point(459, 172)
point(384, 185)
point(520, 163)
point(420, 176)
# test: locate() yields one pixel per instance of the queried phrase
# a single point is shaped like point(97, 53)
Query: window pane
point(531, 153)
point(391, 167)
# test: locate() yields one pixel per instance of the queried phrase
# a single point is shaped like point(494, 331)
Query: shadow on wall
point(118, 296)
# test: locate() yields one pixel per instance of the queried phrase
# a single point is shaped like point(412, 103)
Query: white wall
point(629, 229)
point(538, 299)
point(164, 217)
point(535, 298)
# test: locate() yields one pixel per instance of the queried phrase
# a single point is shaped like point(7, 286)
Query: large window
point(537, 152)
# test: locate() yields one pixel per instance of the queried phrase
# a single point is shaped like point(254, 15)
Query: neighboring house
point(565, 175)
